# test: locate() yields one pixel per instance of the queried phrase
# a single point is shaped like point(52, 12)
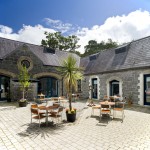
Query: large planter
point(23, 104)
point(8, 99)
point(71, 117)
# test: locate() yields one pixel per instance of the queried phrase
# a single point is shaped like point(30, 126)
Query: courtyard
point(87, 133)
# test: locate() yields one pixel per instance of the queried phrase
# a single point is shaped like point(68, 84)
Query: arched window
point(114, 87)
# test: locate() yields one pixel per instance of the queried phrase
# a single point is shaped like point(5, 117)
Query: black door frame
point(111, 93)
point(145, 102)
point(93, 95)
point(7, 88)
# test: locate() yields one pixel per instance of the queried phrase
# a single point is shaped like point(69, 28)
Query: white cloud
point(121, 29)
point(29, 34)
point(59, 25)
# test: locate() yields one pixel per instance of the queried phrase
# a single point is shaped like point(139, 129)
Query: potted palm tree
point(24, 78)
point(71, 73)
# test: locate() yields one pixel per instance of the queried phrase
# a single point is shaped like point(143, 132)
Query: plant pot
point(22, 104)
point(8, 99)
point(71, 117)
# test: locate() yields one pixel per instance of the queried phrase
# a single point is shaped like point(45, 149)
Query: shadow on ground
point(33, 130)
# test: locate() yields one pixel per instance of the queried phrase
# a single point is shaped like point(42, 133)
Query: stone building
point(41, 63)
point(121, 71)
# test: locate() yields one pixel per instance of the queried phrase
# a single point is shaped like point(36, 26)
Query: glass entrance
point(4, 87)
point(48, 86)
point(94, 88)
point(114, 88)
point(147, 89)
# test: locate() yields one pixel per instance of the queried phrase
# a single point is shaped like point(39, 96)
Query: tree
point(71, 73)
point(94, 47)
point(58, 41)
point(24, 78)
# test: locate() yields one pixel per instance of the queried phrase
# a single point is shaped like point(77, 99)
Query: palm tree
point(71, 73)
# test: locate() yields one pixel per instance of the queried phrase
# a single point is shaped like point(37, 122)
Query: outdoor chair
point(55, 99)
point(36, 114)
point(112, 99)
point(119, 107)
point(56, 114)
point(106, 98)
point(63, 101)
point(105, 110)
point(95, 107)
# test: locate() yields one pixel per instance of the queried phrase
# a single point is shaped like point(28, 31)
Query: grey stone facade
point(127, 64)
point(9, 67)
point(131, 84)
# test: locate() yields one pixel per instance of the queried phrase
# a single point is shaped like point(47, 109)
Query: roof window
point(49, 50)
point(93, 57)
point(120, 50)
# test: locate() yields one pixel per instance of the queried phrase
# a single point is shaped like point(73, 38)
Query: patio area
point(87, 133)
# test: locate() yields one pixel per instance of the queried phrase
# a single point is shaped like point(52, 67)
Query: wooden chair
point(55, 99)
point(36, 114)
point(105, 109)
point(106, 98)
point(119, 107)
point(56, 114)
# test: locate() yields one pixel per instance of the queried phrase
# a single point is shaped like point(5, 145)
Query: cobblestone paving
point(87, 133)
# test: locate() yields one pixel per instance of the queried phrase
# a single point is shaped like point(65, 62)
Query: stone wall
point(129, 80)
point(9, 67)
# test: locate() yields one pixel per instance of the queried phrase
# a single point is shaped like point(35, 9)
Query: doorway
point(4, 87)
point(94, 88)
point(48, 86)
point(147, 89)
point(114, 87)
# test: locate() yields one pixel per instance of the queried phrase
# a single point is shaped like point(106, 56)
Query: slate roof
point(7, 46)
point(132, 55)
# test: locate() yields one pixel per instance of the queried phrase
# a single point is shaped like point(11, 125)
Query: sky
point(120, 20)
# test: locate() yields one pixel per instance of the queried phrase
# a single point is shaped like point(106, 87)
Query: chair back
point(119, 105)
point(34, 106)
point(56, 105)
point(62, 97)
point(105, 97)
point(104, 106)
point(111, 98)
point(34, 111)
point(60, 109)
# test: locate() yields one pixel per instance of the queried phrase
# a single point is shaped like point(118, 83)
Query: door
point(147, 89)
point(114, 88)
point(4, 87)
point(48, 86)
point(94, 88)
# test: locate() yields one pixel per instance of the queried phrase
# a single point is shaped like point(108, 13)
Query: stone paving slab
point(87, 133)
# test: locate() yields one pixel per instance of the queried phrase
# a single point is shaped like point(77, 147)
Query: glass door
point(48, 86)
point(4, 87)
point(147, 89)
point(114, 88)
point(94, 88)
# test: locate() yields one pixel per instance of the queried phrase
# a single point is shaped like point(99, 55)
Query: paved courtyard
point(87, 133)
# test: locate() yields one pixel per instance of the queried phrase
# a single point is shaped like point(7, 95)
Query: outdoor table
point(46, 108)
point(107, 103)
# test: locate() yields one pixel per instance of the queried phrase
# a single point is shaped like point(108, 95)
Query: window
point(25, 63)
point(79, 85)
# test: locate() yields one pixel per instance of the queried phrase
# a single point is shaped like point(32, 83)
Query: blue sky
point(20, 19)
